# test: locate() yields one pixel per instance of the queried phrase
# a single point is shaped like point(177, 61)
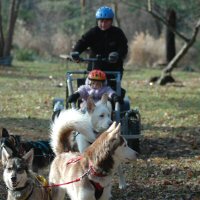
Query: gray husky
point(21, 182)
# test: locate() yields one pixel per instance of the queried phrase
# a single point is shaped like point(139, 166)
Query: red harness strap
point(93, 172)
point(73, 160)
point(76, 180)
point(98, 188)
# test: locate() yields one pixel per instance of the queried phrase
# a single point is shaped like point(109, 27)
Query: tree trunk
point(166, 73)
point(83, 4)
point(172, 64)
point(14, 8)
point(1, 33)
point(170, 36)
point(115, 8)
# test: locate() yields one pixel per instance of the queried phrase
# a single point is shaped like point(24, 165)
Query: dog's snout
point(13, 178)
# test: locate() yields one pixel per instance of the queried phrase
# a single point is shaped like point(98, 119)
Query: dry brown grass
point(146, 50)
point(44, 43)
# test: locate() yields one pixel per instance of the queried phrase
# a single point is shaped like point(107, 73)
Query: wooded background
point(47, 28)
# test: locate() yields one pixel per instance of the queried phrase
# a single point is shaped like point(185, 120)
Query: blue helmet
point(104, 13)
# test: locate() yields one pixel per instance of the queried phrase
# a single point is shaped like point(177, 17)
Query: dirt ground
point(168, 167)
point(142, 176)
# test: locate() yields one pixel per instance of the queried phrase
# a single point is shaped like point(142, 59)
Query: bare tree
point(166, 73)
point(83, 5)
point(7, 39)
point(1, 32)
point(170, 36)
point(115, 8)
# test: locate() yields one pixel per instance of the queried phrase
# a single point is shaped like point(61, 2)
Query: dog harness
point(98, 188)
point(43, 181)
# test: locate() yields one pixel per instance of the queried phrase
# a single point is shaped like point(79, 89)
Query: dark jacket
point(102, 43)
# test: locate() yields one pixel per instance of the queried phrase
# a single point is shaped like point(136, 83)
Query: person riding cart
point(104, 40)
point(95, 86)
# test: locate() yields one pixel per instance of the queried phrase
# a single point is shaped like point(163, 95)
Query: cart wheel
point(134, 144)
point(134, 124)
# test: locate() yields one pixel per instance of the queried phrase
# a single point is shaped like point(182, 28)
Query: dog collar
point(93, 172)
point(98, 188)
point(25, 195)
point(26, 198)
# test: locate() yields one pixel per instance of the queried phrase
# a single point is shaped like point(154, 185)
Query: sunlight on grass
point(169, 162)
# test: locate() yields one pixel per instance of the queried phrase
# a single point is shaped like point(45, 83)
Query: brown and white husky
point(87, 175)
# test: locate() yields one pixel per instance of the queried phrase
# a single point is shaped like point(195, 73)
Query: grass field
point(169, 164)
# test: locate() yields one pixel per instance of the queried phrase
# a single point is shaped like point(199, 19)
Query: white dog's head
point(100, 113)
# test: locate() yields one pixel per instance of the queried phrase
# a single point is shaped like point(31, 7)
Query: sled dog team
point(84, 173)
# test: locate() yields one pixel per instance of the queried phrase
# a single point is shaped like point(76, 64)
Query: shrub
point(146, 50)
point(25, 55)
point(44, 44)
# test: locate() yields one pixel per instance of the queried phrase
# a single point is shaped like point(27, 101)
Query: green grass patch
point(168, 167)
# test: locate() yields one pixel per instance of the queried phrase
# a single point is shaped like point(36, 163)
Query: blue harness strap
point(43, 145)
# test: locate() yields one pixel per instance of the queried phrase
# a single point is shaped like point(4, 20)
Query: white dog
point(87, 175)
point(99, 114)
point(96, 120)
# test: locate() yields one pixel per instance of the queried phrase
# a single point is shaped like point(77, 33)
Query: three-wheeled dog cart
point(129, 117)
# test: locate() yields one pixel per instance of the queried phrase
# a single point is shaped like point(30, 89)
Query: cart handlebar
point(96, 59)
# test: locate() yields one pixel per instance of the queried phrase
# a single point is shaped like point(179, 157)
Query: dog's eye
point(20, 170)
point(9, 168)
point(102, 115)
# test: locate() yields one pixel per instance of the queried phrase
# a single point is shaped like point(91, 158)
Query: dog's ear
point(104, 98)
point(28, 157)
point(116, 131)
point(112, 127)
point(15, 139)
point(5, 155)
point(90, 104)
point(4, 133)
point(109, 105)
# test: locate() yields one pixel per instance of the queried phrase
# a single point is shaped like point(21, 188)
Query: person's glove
point(115, 98)
point(75, 56)
point(73, 97)
point(113, 57)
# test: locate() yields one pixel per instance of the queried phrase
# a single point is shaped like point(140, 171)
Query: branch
point(183, 50)
point(155, 15)
point(198, 23)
